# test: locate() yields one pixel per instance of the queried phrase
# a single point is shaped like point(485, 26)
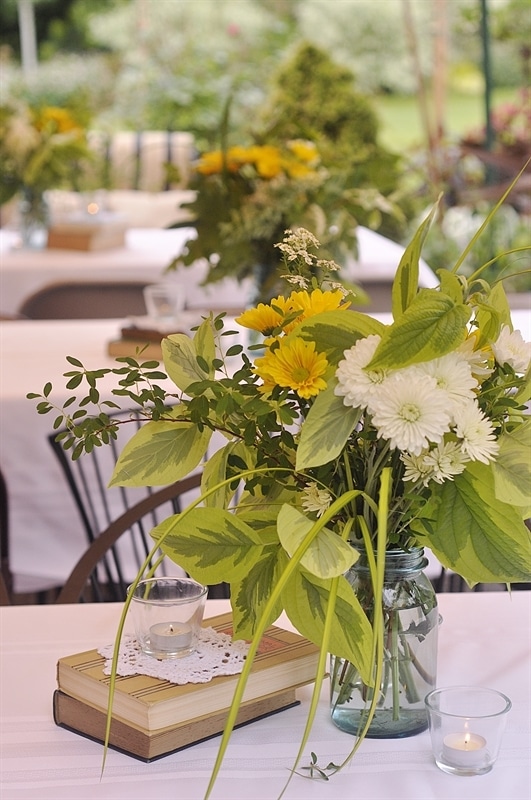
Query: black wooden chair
point(86, 300)
point(91, 579)
point(6, 580)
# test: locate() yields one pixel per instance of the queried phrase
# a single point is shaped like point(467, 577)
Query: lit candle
point(168, 637)
point(464, 749)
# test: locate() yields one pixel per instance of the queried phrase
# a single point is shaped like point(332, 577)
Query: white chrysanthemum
point(411, 413)
point(478, 359)
point(416, 468)
point(356, 384)
point(315, 500)
point(445, 461)
point(477, 434)
point(454, 376)
point(510, 348)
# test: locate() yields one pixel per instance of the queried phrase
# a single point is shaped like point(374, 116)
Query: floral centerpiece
point(247, 196)
point(346, 438)
point(41, 148)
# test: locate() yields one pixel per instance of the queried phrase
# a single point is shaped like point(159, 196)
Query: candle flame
point(467, 739)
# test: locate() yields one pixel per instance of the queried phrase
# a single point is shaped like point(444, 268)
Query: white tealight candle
point(167, 637)
point(464, 749)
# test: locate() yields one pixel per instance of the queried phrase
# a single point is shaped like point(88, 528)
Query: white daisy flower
point(416, 469)
point(445, 461)
point(477, 434)
point(356, 384)
point(478, 359)
point(315, 500)
point(454, 376)
point(511, 349)
point(411, 413)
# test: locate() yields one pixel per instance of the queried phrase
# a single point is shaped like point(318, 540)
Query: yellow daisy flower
point(264, 318)
point(315, 302)
point(294, 365)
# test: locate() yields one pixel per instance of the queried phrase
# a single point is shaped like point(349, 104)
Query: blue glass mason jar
point(411, 621)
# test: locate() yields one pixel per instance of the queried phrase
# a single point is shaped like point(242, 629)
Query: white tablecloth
point(484, 641)
point(146, 256)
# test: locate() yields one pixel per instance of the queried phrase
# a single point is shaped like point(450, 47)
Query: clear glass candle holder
point(167, 615)
point(466, 726)
point(164, 302)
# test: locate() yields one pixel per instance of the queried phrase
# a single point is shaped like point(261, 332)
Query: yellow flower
point(268, 161)
point(57, 119)
point(303, 150)
point(294, 364)
point(264, 318)
point(210, 163)
point(314, 303)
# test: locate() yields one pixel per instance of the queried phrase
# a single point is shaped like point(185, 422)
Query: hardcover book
point(285, 660)
point(79, 717)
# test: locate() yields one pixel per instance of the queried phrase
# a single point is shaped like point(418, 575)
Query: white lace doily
point(215, 654)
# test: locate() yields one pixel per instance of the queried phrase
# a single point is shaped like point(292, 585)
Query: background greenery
point(171, 64)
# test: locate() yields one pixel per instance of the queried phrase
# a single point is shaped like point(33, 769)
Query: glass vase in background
point(34, 218)
point(411, 621)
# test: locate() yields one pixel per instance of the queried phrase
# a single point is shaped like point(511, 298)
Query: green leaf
point(212, 544)
point(250, 595)
point(405, 284)
point(450, 285)
point(475, 534)
point(325, 430)
point(180, 361)
point(337, 331)
point(215, 471)
point(512, 468)
point(431, 327)
point(160, 453)
point(326, 557)
point(205, 345)
point(305, 599)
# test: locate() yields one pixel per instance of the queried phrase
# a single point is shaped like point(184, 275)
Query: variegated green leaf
point(325, 430)
point(160, 453)
point(327, 556)
point(336, 331)
point(305, 599)
point(211, 544)
point(475, 534)
point(204, 342)
point(405, 284)
point(250, 595)
point(180, 361)
point(431, 327)
point(512, 468)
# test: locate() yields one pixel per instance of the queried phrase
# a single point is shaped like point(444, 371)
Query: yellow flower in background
point(294, 364)
point(56, 119)
point(304, 150)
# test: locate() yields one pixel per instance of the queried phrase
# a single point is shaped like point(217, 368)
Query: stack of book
point(153, 717)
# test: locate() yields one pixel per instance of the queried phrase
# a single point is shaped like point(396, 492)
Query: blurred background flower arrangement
point(41, 148)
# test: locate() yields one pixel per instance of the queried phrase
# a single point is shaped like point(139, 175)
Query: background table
point(146, 255)
point(484, 641)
